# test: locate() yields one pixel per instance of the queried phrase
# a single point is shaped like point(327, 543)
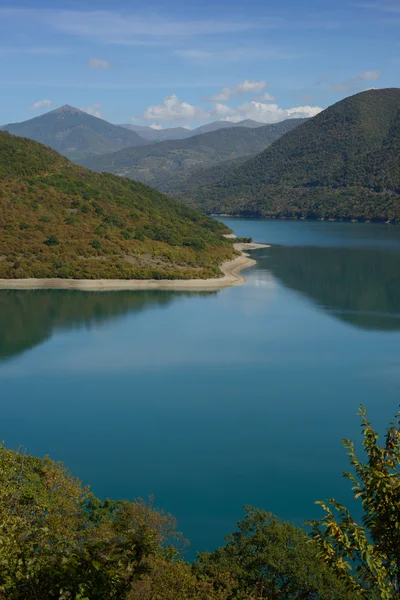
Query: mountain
point(343, 163)
point(75, 134)
point(216, 125)
point(159, 135)
point(180, 133)
point(61, 220)
point(164, 164)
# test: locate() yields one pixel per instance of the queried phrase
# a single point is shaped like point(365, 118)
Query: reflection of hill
point(28, 318)
point(359, 286)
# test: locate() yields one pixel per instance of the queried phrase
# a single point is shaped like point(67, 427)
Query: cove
point(215, 400)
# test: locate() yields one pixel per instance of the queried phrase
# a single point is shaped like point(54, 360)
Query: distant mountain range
point(60, 220)
point(180, 133)
point(75, 134)
point(164, 164)
point(342, 163)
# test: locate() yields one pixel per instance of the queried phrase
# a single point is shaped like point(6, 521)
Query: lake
point(215, 400)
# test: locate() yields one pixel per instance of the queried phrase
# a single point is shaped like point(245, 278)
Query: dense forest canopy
point(343, 163)
point(60, 220)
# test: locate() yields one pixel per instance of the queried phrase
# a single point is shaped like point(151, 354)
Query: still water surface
point(216, 400)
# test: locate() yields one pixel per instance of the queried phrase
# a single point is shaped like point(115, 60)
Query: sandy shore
point(230, 269)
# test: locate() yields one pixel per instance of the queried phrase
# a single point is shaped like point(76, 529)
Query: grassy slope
point(60, 220)
point(160, 164)
point(75, 134)
point(342, 163)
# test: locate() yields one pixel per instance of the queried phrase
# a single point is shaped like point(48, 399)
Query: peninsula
point(64, 226)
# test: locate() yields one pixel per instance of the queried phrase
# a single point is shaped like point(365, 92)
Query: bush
point(52, 240)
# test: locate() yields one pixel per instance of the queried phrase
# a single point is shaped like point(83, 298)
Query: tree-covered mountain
point(180, 133)
point(161, 165)
point(343, 163)
point(61, 220)
point(74, 133)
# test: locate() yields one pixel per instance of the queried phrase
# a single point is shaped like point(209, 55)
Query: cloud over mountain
point(41, 104)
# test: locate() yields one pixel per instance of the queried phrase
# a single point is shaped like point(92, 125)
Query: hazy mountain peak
point(75, 133)
point(68, 109)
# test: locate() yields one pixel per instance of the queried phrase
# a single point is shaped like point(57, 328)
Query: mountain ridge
point(74, 133)
point(157, 164)
point(177, 133)
point(342, 163)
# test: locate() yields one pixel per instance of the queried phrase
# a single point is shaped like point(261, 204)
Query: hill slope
point(74, 133)
point(60, 220)
point(343, 163)
point(180, 133)
point(158, 164)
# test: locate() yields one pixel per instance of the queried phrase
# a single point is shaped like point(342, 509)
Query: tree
point(270, 559)
point(59, 542)
point(367, 556)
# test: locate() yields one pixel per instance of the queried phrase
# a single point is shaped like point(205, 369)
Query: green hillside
point(343, 163)
point(75, 134)
point(60, 220)
point(158, 164)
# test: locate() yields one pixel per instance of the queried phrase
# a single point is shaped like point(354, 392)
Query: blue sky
point(189, 62)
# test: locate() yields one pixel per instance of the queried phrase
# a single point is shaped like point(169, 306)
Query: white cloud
point(354, 83)
point(252, 87)
point(270, 113)
point(129, 26)
point(172, 109)
point(41, 104)
point(98, 63)
point(245, 87)
point(266, 97)
point(156, 126)
point(94, 110)
point(223, 110)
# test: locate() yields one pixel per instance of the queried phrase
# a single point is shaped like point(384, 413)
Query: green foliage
point(57, 541)
point(52, 240)
point(367, 556)
point(51, 211)
point(343, 163)
point(267, 558)
point(168, 164)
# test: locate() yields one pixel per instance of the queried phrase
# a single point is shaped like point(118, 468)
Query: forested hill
point(157, 164)
point(75, 134)
point(343, 163)
point(61, 220)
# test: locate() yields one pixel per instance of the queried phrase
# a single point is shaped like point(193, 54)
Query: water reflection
point(359, 286)
point(28, 318)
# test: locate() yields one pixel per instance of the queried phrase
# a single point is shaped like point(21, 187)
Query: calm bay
point(215, 400)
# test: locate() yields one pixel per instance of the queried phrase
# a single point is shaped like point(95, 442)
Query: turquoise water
point(213, 401)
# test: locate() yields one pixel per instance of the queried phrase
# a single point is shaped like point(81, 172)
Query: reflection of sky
point(211, 402)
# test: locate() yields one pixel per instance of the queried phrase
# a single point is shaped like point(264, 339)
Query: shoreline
point(230, 269)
